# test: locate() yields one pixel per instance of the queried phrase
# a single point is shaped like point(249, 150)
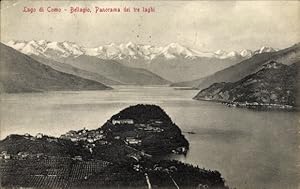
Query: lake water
point(251, 149)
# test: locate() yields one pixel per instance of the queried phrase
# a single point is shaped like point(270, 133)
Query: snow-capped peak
point(31, 48)
point(174, 50)
point(233, 54)
point(111, 45)
point(246, 53)
point(220, 52)
point(42, 42)
point(175, 46)
point(18, 45)
point(266, 49)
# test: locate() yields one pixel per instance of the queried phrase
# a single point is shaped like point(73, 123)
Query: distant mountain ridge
point(173, 62)
point(123, 51)
point(21, 73)
point(238, 71)
point(115, 71)
point(67, 68)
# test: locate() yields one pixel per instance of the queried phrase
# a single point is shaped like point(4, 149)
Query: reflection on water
point(251, 149)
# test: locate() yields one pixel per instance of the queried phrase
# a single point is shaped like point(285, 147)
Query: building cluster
point(133, 139)
point(122, 121)
point(256, 104)
point(40, 136)
point(85, 135)
point(129, 140)
point(180, 150)
point(89, 138)
point(5, 155)
point(170, 169)
point(150, 126)
point(30, 137)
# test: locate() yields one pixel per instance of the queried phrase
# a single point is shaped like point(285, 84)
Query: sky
point(202, 25)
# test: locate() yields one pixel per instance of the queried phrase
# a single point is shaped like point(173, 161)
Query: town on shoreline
point(118, 154)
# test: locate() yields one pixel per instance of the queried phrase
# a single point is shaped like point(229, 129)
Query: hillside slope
point(155, 129)
point(20, 73)
point(183, 69)
point(275, 85)
point(116, 71)
point(67, 68)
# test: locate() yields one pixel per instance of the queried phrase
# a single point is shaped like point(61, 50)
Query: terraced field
point(57, 172)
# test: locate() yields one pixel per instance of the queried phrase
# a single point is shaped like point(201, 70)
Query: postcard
point(149, 94)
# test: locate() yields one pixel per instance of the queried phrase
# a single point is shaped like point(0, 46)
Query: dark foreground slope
point(20, 73)
point(275, 85)
point(48, 146)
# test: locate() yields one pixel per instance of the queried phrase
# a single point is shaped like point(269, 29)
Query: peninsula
point(121, 153)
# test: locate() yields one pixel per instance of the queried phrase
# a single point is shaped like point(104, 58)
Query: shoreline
point(253, 105)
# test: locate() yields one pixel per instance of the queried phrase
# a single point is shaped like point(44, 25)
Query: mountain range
point(116, 71)
point(69, 58)
point(265, 76)
point(21, 73)
point(173, 62)
point(67, 68)
point(246, 67)
point(123, 51)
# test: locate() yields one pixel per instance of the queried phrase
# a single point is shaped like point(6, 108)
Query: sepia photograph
point(149, 94)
